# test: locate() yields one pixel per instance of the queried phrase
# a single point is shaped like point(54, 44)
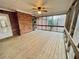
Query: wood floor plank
point(34, 45)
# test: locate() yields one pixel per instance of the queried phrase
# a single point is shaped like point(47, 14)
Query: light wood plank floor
point(34, 45)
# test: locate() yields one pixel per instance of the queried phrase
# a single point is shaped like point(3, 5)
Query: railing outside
point(50, 28)
point(71, 49)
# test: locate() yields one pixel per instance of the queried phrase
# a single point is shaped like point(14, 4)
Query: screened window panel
point(58, 20)
point(61, 20)
point(60, 29)
point(40, 21)
point(49, 20)
point(37, 21)
point(76, 32)
point(44, 21)
point(55, 20)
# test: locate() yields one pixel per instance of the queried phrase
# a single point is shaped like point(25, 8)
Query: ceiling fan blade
point(34, 8)
point(43, 7)
point(44, 10)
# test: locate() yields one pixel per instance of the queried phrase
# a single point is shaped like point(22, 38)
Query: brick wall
point(25, 22)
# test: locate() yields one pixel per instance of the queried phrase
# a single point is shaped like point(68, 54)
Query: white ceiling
point(53, 6)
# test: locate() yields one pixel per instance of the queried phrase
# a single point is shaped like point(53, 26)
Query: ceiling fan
point(39, 7)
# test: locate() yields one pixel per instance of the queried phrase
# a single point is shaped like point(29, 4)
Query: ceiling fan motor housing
point(39, 8)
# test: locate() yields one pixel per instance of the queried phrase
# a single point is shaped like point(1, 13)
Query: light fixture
point(39, 12)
